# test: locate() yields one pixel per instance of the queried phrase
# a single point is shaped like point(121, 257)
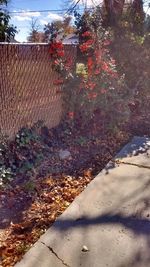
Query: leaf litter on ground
point(36, 202)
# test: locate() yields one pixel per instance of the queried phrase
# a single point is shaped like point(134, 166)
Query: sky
point(23, 20)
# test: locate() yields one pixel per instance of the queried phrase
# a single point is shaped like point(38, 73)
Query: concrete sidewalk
point(108, 224)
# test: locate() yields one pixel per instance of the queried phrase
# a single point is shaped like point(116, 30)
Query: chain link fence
point(27, 90)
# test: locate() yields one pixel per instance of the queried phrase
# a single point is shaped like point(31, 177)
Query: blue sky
point(23, 20)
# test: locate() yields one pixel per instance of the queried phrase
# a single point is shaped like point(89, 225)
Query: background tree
point(67, 25)
point(61, 27)
point(52, 28)
point(7, 31)
point(137, 16)
point(113, 9)
point(35, 35)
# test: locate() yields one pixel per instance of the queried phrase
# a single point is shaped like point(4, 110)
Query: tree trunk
point(114, 9)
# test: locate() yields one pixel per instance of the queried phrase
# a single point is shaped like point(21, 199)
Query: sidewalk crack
point(56, 255)
point(132, 164)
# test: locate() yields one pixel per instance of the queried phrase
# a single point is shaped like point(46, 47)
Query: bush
point(21, 155)
point(132, 56)
point(95, 87)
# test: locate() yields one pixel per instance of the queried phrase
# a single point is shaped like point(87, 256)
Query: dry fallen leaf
point(55, 193)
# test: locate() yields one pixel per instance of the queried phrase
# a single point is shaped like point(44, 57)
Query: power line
point(71, 9)
point(68, 11)
point(35, 11)
point(46, 10)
